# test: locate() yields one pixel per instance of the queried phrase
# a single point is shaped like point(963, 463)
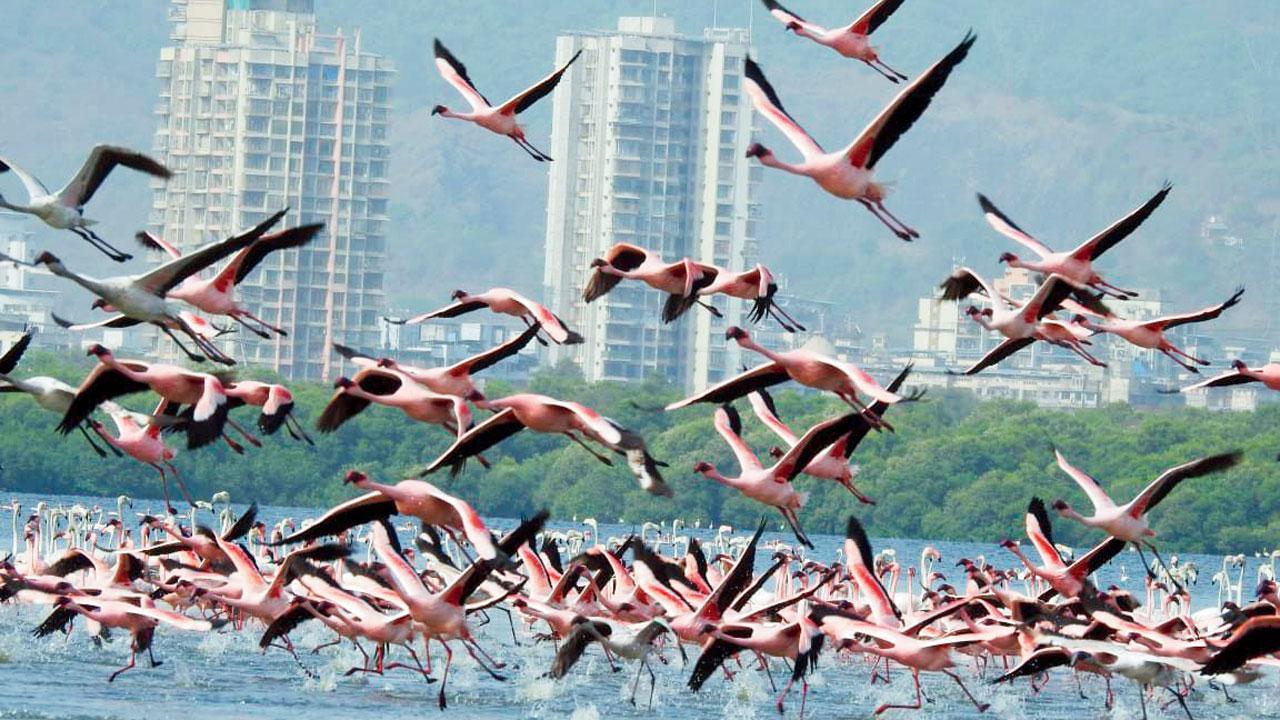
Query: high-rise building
point(649, 132)
point(259, 111)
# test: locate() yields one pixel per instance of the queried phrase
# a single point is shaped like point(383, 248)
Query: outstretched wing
point(1093, 248)
point(998, 353)
point(766, 102)
point(1005, 226)
point(101, 161)
point(757, 378)
point(455, 73)
point(526, 99)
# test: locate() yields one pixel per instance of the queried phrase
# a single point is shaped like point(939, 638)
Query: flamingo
point(1150, 334)
point(500, 119)
point(830, 464)
point(682, 280)
point(64, 209)
point(757, 285)
point(138, 436)
point(805, 365)
point(453, 379)
point(1076, 265)
point(276, 402)
point(772, 485)
point(1020, 324)
point(216, 295)
point(1241, 374)
point(506, 302)
point(637, 647)
point(547, 415)
point(112, 378)
point(852, 40)
point(1129, 522)
point(387, 387)
point(1067, 580)
point(141, 297)
point(846, 173)
point(414, 498)
point(49, 393)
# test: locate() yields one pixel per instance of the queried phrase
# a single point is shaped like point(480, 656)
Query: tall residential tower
point(649, 133)
point(259, 111)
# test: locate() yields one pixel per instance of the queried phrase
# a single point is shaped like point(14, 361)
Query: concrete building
point(649, 131)
point(259, 111)
point(27, 295)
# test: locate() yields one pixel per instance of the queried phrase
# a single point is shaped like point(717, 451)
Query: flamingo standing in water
point(64, 209)
point(138, 436)
point(682, 280)
point(805, 365)
point(852, 40)
point(548, 415)
point(847, 172)
point(1150, 334)
point(1075, 265)
point(500, 119)
point(216, 295)
point(506, 302)
point(1128, 522)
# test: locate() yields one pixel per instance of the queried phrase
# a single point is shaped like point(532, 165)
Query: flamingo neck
point(769, 160)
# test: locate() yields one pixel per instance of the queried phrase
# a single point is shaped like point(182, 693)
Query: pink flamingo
point(1075, 265)
point(216, 295)
point(831, 464)
point(276, 403)
point(502, 118)
point(547, 415)
point(112, 378)
point(1150, 334)
point(852, 40)
point(1067, 580)
point(757, 285)
point(846, 173)
point(1240, 374)
point(387, 387)
point(452, 379)
point(506, 302)
point(138, 436)
point(682, 280)
point(1019, 323)
point(803, 365)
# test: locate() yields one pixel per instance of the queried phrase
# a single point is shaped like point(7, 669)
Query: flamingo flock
point(407, 600)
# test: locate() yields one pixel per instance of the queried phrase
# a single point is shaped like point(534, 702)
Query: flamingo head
point(1238, 364)
point(439, 109)
point(46, 258)
point(98, 350)
point(343, 383)
point(1008, 257)
point(599, 262)
point(703, 467)
point(99, 304)
point(1009, 544)
point(756, 150)
point(1061, 506)
point(776, 452)
point(386, 363)
point(458, 294)
point(737, 333)
point(355, 477)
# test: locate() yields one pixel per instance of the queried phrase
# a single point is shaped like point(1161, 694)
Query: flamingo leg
point(910, 231)
point(891, 78)
point(1185, 366)
point(915, 677)
point(193, 357)
point(101, 245)
point(590, 449)
point(981, 706)
point(92, 444)
point(255, 330)
point(882, 64)
point(528, 150)
point(263, 323)
point(247, 435)
point(901, 233)
point(133, 658)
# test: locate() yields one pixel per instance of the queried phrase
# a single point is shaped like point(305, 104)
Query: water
point(225, 675)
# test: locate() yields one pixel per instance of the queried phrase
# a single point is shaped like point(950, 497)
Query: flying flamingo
point(1241, 374)
point(806, 366)
point(1150, 334)
point(453, 379)
point(276, 403)
point(140, 298)
point(682, 280)
point(500, 119)
point(1075, 265)
point(772, 485)
point(138, 436)
point(1018, 323)
point(216, 295)
point(112, 378)
point(64, 209)
point(547, 415)
point(414, 498)
point(49, 393)
point(830, 464)
point(852, 40)
point(756, 285)
point(1067, 580)
point(387, 387)
point(847, 172)
point(1128, 522)
point(506, 302)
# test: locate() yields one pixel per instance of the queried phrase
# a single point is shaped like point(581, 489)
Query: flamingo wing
point(251, 256)
point(817, 439)
point(455, 73)
point(766, 102)
point(898, 117)
point(340, 408)
point(621, 256)
point(103, 383)
point(1004, 225)
point(494, 355)
point(860, 430)
point(448, 311)
point(762, 404)
point(526, 99)
point(963, 282)
point(356, 357)
point(1094, 247)
point(788, 18)
point(1209, 313)
point(1159, 488)
point(492, 431)
point(761, 376)
point(1233, 377)
point(551, 324)
point(998, 353)
point(9, 361)
point(1047, 298)
point(101, 161)
point(861, 380)
point(858, 557)
point(164, 278)
point(472, 526)
point(115, 321)
point(1087, 483)
point(155, 242)
point(30, 182)
point(735, 581)
point(1256, 637)
point(874, 17)
point(1040, 532)
point(344, 516)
